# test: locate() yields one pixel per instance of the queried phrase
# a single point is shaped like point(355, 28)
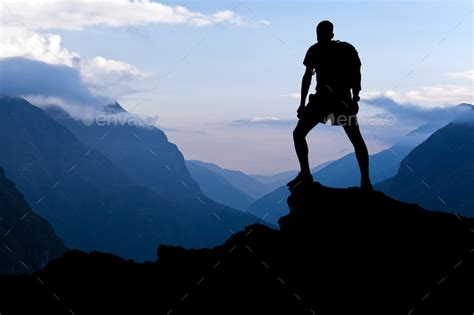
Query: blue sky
point(247, 66)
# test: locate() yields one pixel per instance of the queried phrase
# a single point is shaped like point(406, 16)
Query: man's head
point(324, 30)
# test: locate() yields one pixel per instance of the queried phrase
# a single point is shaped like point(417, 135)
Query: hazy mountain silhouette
point(141, 152)
point(150, 160)
point(439, 173)
point(275, 180)
point(341, 173)
point(29, 241)
point(339, 251)
point(92, 203)
point(217, 187)
point(465, 106)
point(344, 172)
point(232, 188)
point(428, 128)
point(243, 182)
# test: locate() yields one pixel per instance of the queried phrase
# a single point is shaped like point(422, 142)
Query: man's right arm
point(305, 84)
point(356, 79)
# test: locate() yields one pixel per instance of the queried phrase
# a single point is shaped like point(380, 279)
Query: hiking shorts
point(340, 110)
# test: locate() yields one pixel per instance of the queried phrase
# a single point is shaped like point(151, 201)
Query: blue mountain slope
point(29, 241)
point(439, 173)
point(241, 181)
point(217, 187)
point(94, 203)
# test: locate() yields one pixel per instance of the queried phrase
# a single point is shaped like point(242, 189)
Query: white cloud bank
point(467, 75)
point(25, 33)
point(104, 77)
point(18, 41)
point(110, 77)
point(77, 14)
point(441, 95)
point(438, 95)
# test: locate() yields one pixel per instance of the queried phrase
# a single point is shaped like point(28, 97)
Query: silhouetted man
point(337, 67)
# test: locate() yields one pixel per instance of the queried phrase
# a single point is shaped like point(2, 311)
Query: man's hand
point(355, 96)
point(355, 100)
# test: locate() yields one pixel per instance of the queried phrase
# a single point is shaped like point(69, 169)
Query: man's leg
point(303, 127)
point(353, 132)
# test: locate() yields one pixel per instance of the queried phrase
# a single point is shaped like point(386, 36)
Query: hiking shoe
point(301, 179)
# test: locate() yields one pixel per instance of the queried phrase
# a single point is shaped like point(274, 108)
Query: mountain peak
point(465, 106)
point(114, 108)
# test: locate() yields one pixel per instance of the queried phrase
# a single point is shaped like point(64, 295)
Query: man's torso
point(333, 62)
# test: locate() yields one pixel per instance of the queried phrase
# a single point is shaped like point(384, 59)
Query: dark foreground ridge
point(339, 251)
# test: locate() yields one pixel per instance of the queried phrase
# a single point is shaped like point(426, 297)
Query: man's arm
point(305, 84)
point(356, 86)
point(357, 78)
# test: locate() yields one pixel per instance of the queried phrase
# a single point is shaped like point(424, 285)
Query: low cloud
point(265, 121)
point(45, 84)
point(18, 41)
point(440, 95)
point(467, 75)
point(200, 132)
point(21, 76)
point(432, 96)
point(104, 77)
point(412, 112)
point(110, 77)
point(292, 95)
point(168, 129)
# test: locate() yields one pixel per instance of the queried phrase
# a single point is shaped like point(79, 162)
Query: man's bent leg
point(303, 127)
point(353, 132)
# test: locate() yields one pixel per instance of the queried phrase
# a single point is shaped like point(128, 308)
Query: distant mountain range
point(123, 188)
point(117, 189)
point(143, 153)
point(345, 172)
point(235, 188)
point(439, 173)
point(434, 153)
point(275, 180)
point(28, 241)
point(245, 183)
